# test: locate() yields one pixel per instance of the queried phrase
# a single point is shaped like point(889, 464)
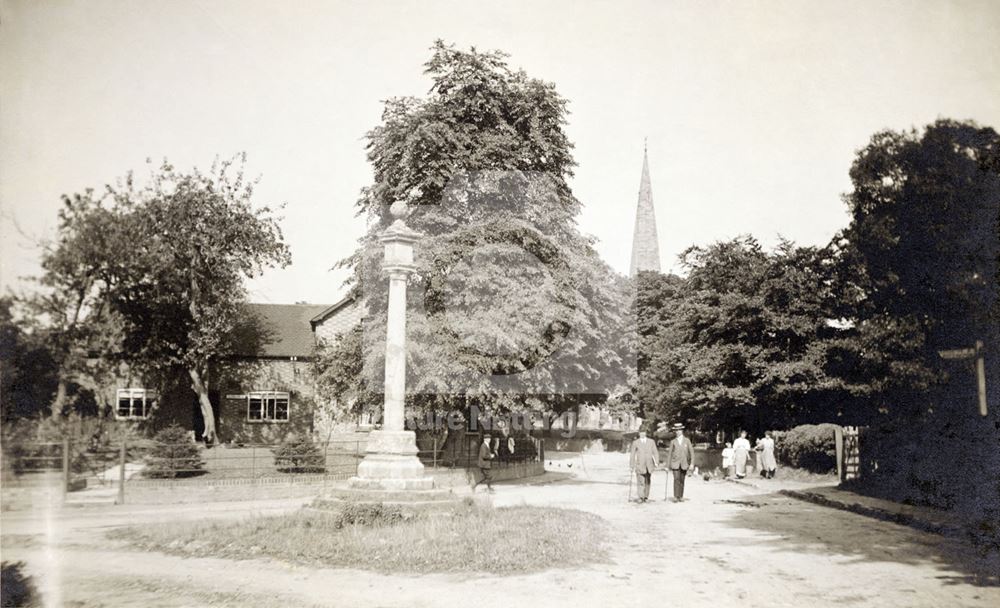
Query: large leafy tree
point(925, 238)
point(924, 247)
point(66, 311)
point(511, 306)
point(175, 267)
point(743, 339)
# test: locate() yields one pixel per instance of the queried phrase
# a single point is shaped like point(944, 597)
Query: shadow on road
point(792, 525)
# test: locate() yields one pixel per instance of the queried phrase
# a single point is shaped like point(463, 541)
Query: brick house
point(262, 393)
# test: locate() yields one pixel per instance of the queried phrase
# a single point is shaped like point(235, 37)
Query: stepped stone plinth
point(391, 463)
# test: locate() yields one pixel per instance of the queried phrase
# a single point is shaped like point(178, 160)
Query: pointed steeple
point(645, 246)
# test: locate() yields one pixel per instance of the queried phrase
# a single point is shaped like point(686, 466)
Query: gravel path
point(727, 543)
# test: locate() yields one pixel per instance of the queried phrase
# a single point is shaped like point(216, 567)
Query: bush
point(173, 455)
point(812, 447)
point(17, 588)
point(296, 455)
point(378, 514)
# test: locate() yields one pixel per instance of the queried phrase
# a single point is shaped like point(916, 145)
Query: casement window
point(134, 403)
point(267, 406)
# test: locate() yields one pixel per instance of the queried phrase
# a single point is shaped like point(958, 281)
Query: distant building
point(261, 393)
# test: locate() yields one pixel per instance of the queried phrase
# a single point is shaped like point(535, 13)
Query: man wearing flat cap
point(680, 457)
point(485, 463)
point(644, 458)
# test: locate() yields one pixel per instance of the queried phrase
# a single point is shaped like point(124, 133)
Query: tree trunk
point(60, 400)
point(198, 385)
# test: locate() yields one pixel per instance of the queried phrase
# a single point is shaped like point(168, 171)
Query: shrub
point(370, 515)
point(174, 455)
point(812, 447)
point(299, 455)
point(17, 588)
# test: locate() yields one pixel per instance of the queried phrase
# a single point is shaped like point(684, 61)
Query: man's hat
point(677, 427)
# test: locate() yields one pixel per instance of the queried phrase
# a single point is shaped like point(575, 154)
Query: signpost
point(970, 353)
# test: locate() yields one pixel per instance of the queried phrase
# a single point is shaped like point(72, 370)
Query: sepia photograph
point(575, 303)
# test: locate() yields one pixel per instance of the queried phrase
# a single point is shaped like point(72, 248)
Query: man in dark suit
point(680, 457)
point(644, 458)
point(485, 464)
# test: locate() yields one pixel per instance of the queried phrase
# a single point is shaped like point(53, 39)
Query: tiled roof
point(279, 330)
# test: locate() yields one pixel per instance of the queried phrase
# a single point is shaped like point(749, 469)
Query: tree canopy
point(511, 306)
point(175, 265)
point(925, 238)
point(742, 340)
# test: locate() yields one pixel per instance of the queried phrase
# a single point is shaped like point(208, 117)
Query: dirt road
point(728, 543)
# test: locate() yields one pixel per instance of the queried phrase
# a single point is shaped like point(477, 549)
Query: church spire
point(645, 245)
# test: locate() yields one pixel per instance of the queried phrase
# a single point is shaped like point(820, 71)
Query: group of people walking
point(644, 458)
point(736, 457)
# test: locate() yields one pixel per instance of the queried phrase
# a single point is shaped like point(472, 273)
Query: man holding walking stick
point(643, 460)
point(680, 457)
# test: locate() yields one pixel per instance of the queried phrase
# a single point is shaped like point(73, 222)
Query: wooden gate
point(848, 453)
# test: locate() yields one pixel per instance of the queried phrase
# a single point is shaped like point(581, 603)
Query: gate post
point(121, 476)
point(838, 435)
point(65, 467)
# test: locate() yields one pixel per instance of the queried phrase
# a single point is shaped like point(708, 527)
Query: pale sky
point(753, 110)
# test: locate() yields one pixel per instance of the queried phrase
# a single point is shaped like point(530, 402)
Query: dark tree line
point(849, 332)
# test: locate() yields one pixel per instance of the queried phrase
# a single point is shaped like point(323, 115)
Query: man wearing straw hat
point(680, 457)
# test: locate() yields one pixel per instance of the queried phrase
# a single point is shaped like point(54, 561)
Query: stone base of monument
point(391, 464)
point(391, 474)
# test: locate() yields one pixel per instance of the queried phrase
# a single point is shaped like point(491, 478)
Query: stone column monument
point(391, 461)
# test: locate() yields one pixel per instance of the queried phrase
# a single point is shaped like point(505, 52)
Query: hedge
point(812, 447)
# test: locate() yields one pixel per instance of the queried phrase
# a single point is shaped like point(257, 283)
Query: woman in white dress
point(741, 453)
point(768, 461)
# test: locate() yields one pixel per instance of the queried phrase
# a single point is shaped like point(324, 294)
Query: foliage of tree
point(744, 339)
point(924, 242)
point(925, 238)
point(175, 270)
point(28, 376)
point(65, 311)
point(506, 288)
point(339, 370)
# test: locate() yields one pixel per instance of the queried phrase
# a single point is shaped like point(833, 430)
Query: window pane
point(136, 405)
point(269, 415)
point(281, 408)
point(123, 406)
point(256, 410)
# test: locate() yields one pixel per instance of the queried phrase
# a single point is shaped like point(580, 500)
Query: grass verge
point(511, 540)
